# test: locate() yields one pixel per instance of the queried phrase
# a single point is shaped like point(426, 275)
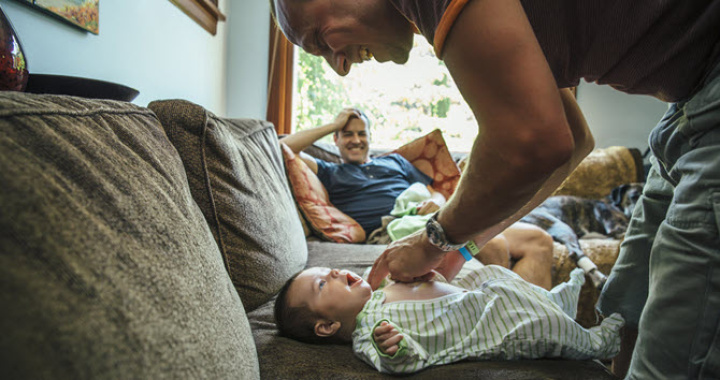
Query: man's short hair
point(296, 322)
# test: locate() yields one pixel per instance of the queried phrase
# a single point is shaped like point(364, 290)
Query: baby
point(491, 313)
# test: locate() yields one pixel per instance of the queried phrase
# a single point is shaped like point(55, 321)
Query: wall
point(616, 118)
point(149, 45)
point(248, 52)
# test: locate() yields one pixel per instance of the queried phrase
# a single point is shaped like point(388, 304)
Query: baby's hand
point(387, 338)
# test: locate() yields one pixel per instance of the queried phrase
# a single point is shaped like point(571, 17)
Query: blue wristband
point(469, 250)
point(466, 254)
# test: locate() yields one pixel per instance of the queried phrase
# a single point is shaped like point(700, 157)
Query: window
point(403, 102)
point(204, 12)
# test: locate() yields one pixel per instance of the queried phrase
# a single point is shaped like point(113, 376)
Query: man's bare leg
point(530, 246)
point(532, 249)
point(494, 252)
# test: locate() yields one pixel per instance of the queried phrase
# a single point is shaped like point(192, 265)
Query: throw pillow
point(236, 175)
point(324, 219)
point(431, 156)
point(108, 267)
point(603, 170)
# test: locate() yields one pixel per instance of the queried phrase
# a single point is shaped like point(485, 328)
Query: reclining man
point(366, 189)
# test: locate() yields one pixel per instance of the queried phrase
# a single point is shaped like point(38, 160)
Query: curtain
point(280, 81)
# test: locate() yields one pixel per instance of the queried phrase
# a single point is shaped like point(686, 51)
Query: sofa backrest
point(236, 175)
point(108, 269)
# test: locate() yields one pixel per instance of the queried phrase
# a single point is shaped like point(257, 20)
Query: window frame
point(205, 12)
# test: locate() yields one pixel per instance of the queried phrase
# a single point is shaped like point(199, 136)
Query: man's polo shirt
point(367, 192)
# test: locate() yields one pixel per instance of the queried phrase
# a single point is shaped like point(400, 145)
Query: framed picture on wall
point(84, 14)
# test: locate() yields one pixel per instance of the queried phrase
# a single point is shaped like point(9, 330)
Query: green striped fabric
point(501, 317)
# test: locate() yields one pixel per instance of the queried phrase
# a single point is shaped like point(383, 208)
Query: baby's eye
point(321, 284)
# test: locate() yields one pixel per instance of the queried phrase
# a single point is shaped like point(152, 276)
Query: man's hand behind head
point(343, 117)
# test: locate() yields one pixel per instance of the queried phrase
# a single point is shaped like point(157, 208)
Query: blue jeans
point(666, 281)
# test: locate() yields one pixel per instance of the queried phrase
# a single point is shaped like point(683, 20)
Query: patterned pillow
point(324, 219)
point(431, 156)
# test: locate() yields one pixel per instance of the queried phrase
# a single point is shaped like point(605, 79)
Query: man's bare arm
point(531, 136)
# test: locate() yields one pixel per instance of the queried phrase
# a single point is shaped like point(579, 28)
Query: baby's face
point(334, 294)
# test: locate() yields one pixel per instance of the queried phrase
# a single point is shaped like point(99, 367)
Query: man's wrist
point(437, 237)
point(469, 250)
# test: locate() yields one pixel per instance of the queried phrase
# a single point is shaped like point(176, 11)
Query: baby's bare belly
point(417, 291)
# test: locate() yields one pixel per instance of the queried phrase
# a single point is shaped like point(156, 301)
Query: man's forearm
point(467, 203)
point(303, 139)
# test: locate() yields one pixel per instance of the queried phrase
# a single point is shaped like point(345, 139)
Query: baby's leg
point(566, 295)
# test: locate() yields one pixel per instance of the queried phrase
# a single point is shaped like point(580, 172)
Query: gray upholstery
point(237, 177)
point(108, 269)
point(283, 358)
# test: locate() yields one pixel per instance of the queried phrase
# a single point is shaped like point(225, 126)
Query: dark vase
point(13, 66)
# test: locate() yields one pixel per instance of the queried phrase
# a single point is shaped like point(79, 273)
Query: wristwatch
point(437, 236)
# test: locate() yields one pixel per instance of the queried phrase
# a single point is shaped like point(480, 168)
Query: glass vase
point(13, 65)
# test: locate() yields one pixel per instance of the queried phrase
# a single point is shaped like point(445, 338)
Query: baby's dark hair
point(296, 322)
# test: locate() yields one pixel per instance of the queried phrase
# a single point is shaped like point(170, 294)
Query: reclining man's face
point(353, 142)
point(347, 31)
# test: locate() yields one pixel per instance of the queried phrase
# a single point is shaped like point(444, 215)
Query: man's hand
point(387, 338)
point(409, 259)
point(428, 207)
point(342, 118)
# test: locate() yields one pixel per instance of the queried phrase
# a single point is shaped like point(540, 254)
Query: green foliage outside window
point(404, 102)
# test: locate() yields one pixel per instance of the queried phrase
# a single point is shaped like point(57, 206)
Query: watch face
point(436, 235)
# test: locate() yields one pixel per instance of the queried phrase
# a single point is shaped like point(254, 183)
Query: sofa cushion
point(237, 177)
point(108, 269)
point(284, 358)
point(431, 156)
point(323, 218)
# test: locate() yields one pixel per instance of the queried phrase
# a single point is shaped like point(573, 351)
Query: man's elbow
point(545, 152)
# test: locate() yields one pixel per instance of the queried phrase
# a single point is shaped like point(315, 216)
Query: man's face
point(347, 31)
point(338, 295)
point(352, 141)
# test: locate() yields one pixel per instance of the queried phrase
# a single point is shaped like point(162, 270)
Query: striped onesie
point(501, 317)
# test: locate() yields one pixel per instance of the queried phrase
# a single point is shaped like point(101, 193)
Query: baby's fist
point(387, 338)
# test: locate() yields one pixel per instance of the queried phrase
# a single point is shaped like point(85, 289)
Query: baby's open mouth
point(351, 280)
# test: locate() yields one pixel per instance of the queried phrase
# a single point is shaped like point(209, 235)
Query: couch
point(595, 178)
point(149, 242)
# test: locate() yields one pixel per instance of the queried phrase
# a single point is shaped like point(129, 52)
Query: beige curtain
point(280, 81)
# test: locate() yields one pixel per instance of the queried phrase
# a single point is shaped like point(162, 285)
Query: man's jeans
point(666, 281)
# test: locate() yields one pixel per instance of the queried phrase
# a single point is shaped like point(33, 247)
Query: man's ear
point(325, 328)
point(335, 136)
